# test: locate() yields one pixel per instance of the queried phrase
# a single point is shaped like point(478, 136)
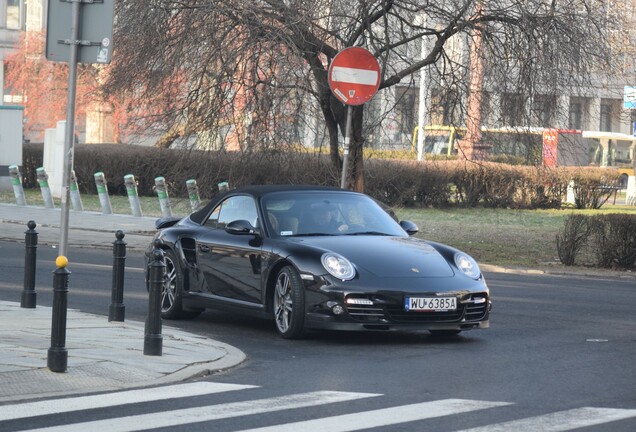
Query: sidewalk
point(85, 228)
point(102, 355)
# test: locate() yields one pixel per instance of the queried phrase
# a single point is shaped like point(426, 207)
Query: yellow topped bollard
point(61, 262)
point(57, 359)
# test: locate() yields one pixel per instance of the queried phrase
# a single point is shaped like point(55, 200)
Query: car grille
point(470, 308)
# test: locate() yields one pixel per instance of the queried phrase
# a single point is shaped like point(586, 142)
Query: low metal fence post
point(193, 194)
point(57, 358)
point(29, 296)
point(16, 181)
point(43, 181)
point(162, 193)
point(223, 186)
point(102, 191)
point(76, 199)
point(153, 340)
point(117, 310)
point(133, 197)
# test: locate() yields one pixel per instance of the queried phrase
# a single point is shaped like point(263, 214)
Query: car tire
point(289, 304)
point(171, 292)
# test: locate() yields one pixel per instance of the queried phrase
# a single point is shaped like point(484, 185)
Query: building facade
point(17, 16)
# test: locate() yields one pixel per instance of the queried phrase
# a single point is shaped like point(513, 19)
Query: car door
point(230, 263)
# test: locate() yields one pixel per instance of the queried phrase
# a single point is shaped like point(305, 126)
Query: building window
point(13, 15)
point(406, 115)
point(543, 109)
point(606, 118)
point(575, 116)
point(513, 109)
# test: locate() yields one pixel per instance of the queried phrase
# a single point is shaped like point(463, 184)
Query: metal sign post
point(69, 142)
point(347, 141)
point(93, 45)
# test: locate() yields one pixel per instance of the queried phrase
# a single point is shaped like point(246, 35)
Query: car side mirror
point(240, 227)
point(409, 227)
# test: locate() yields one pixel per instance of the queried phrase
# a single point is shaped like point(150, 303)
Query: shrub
point(614, 238)
point(398, 182)
point(572, 238)
point(611, 237)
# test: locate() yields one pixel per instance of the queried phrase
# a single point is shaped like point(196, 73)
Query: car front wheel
point(171, 301)
point(289, 304)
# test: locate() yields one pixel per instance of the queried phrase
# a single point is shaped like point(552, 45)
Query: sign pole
point(354, 77)
point(347, 141)
point(69, 140)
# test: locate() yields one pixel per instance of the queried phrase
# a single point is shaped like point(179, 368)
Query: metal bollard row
point(160, 188)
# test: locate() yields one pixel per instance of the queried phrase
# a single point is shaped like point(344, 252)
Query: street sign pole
point(347, 141)
point(69, 141)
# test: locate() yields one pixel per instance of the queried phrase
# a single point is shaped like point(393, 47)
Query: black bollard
point(57, 355)
point(117, 309)
point(29, 295)
point(157, 272)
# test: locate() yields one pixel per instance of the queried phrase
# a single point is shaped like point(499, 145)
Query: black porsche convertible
point(316, 258)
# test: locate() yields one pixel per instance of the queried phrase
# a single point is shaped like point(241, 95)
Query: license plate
point(430, 304)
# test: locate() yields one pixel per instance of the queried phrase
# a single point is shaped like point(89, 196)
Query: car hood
point(395, 257)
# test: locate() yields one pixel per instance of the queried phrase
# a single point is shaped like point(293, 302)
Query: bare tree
point(249, 64)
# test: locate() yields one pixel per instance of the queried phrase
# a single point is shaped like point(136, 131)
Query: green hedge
point(407, 183)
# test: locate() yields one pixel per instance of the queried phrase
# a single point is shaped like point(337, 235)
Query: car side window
point(214, 217)
point(235, 208)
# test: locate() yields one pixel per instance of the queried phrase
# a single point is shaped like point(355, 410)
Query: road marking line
point(63, 405)
point(560, 421)
point(207, 413)
point(383, 417)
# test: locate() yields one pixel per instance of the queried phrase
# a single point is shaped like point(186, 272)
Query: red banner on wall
point(550, 144)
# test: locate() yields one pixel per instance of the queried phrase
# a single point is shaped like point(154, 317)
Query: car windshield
point(324, 213)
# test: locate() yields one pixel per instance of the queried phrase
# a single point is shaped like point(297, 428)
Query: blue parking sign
point(629, 97)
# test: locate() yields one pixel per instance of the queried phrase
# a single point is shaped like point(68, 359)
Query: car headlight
point(338, 266)
point(467, 265)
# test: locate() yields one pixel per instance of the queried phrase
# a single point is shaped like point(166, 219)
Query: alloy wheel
point(283, 302)
point(169, 289)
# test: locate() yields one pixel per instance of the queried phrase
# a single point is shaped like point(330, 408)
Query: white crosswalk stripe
point(560, 421)
point(208, 413)
point(416, 413)
point(32, 409)
point(383, 417)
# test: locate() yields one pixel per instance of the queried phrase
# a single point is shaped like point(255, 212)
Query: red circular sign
point(354, 76)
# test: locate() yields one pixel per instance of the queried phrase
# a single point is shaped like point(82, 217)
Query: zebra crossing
point(13, 416)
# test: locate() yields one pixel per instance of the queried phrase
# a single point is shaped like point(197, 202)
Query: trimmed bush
point(614, 237)
point(407, 183)
point(611, 239)
point(572, 238)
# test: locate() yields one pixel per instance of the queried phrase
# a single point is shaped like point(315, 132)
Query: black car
point(316, 258)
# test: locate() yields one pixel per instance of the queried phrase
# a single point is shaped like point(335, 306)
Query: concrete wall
point(10, 142)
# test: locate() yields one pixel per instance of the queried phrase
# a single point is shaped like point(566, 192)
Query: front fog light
point(337, 310)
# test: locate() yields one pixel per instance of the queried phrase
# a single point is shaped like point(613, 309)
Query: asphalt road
point(555, 344)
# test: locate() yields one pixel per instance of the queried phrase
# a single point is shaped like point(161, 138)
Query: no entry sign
point(354, 76)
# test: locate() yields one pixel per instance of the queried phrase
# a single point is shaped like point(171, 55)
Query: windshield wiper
point(311, 235)
point(378, 233)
